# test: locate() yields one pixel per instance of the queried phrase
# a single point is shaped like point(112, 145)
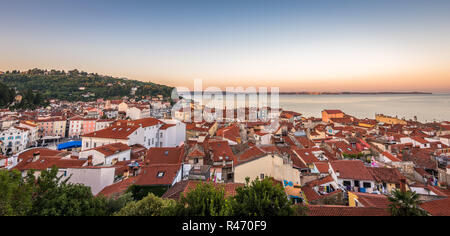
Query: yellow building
point(389, 120)
point(365, 125)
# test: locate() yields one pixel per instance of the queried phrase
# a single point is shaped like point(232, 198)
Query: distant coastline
point(353, 93)
point(317, 93)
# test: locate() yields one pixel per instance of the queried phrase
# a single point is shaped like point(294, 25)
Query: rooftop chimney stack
point(36, 156)
point(90, 160)
point(403, 185)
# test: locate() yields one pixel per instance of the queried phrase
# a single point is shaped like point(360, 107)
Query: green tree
point(15, 194)
point(56, 197)
point(405, 204)
point(7, 96)
point(262, 198)
point(116, 204)
point(148, 206)
point(204, 200)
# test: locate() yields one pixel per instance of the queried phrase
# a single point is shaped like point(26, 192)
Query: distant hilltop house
point(389, 120)
point(133, 90)
point(18, 98)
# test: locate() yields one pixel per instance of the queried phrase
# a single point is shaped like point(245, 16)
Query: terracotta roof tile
point(118, 188)
point(328, 210)
point(439, 207)
point(186, 186)
point(159, 174)
point(112, 149)
point(351, 169)
point(167, 155)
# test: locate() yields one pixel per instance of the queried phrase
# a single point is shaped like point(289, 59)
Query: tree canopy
point(262, 198)
point(405, 204)
point(77, 85)
point(7, 95)
point(204, 200)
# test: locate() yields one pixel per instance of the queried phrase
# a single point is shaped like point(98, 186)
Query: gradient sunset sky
point(316, 45)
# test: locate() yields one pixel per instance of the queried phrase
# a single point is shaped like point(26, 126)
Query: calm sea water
point(426, 107)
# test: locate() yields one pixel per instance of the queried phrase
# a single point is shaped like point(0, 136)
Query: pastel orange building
point(331, 114)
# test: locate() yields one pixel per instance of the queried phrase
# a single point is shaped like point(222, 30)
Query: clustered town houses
point(336, 164)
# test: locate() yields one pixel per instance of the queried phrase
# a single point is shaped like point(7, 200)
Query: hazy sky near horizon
point(320, 45)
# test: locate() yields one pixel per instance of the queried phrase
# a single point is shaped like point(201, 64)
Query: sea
point(424, 107)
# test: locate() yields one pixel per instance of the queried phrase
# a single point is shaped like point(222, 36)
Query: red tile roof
point(439, 207)
point(166, 126)
point(48, 162)
point(329, 210)
point(333, 111)
point(306, 154)
point(305, 142)
point(231, 133)
point(186, 186)
point(351, 169)
point(373, 200)
point(220, 148)
point(322, 167)
point(112, 149)
point(42, 152)
point(391, 157)
point(386, 175)
point(167, 155)
point(118, 188)
point(114, 132)
point(255, 152)
point(196, 152)
point(159, 174)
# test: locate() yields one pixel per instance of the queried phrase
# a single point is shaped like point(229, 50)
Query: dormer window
point(160, 174)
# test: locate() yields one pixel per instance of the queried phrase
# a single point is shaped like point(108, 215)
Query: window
point(347, 183)
point(357, 183)
point(87, 145)
point(160, 174)
point(367, 185)
point(261, 176)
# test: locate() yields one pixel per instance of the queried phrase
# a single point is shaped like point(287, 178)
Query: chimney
point(36, 156)
point(90, 160)
point(403, 185)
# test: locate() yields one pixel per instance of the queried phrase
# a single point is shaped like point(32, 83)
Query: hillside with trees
point(77, 85)
point(6, 95)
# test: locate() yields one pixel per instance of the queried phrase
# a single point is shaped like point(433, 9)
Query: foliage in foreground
point(405, 204)
point(262, 198)
point(50, 195)
point(148, 206)
point(258, 198)
point(15, 194)
point(204, 200)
